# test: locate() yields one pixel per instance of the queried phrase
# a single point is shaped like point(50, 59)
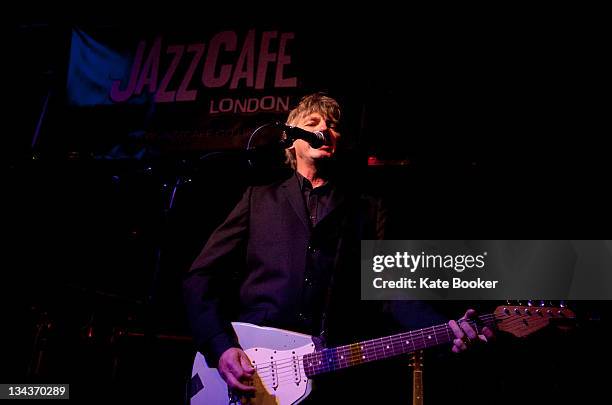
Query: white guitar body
point(276, 354)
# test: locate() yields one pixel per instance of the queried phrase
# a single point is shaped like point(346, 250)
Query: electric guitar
point(286, 362)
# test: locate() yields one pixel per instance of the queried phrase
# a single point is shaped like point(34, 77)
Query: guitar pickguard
point(276, 354)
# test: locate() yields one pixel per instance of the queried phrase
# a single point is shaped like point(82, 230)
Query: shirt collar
point(305, 184)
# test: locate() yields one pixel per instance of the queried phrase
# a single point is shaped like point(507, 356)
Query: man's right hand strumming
point(235, 368)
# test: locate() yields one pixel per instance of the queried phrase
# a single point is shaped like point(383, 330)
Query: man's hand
point(466, 335)
point(235, 368)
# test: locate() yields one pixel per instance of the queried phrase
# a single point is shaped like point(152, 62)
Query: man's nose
point(322, 127)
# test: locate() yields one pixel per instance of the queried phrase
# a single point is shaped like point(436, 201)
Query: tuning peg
point(562, 304)
point(529, 303)
point(542, 303)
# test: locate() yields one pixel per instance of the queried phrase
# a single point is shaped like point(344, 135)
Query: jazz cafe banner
point(177, 91)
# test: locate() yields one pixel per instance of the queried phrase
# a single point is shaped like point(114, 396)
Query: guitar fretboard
point(341, 357)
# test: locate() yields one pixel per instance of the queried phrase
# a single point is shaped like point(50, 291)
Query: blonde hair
point(313, 103)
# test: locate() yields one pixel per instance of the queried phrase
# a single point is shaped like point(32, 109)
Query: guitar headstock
point(416, 360)
point(523, 320)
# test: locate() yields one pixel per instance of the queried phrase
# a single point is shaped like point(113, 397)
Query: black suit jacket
point(280, 263)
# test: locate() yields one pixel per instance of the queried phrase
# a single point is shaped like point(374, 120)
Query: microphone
point(315, 139)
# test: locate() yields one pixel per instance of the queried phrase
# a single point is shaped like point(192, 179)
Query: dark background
point(497, 120)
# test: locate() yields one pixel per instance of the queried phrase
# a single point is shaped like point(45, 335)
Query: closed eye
point(331, 125)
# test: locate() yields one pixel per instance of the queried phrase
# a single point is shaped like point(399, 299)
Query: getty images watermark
point(404, 261)
point(486, 269)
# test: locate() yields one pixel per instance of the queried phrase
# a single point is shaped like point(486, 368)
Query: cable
point(248, 146)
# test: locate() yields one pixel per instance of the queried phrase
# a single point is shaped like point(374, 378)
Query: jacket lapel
point(336, 199)
point(291, 188)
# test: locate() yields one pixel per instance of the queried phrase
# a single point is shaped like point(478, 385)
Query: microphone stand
point(153, 293)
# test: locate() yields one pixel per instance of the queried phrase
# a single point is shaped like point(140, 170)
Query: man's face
point(316, 122)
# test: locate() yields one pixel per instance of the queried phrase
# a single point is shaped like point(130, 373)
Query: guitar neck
point(417, 387)
point(417, 377)
point(340, 357)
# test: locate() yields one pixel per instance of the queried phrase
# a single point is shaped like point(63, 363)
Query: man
point(297, 243)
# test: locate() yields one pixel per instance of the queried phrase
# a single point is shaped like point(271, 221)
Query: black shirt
point(317, 199)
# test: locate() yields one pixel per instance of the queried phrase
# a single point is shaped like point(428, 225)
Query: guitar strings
point(442, 330)
point(289, 376)
point(438, 331)
point(283, 363)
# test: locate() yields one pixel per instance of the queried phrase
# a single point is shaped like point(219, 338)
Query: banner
point(181, 91)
